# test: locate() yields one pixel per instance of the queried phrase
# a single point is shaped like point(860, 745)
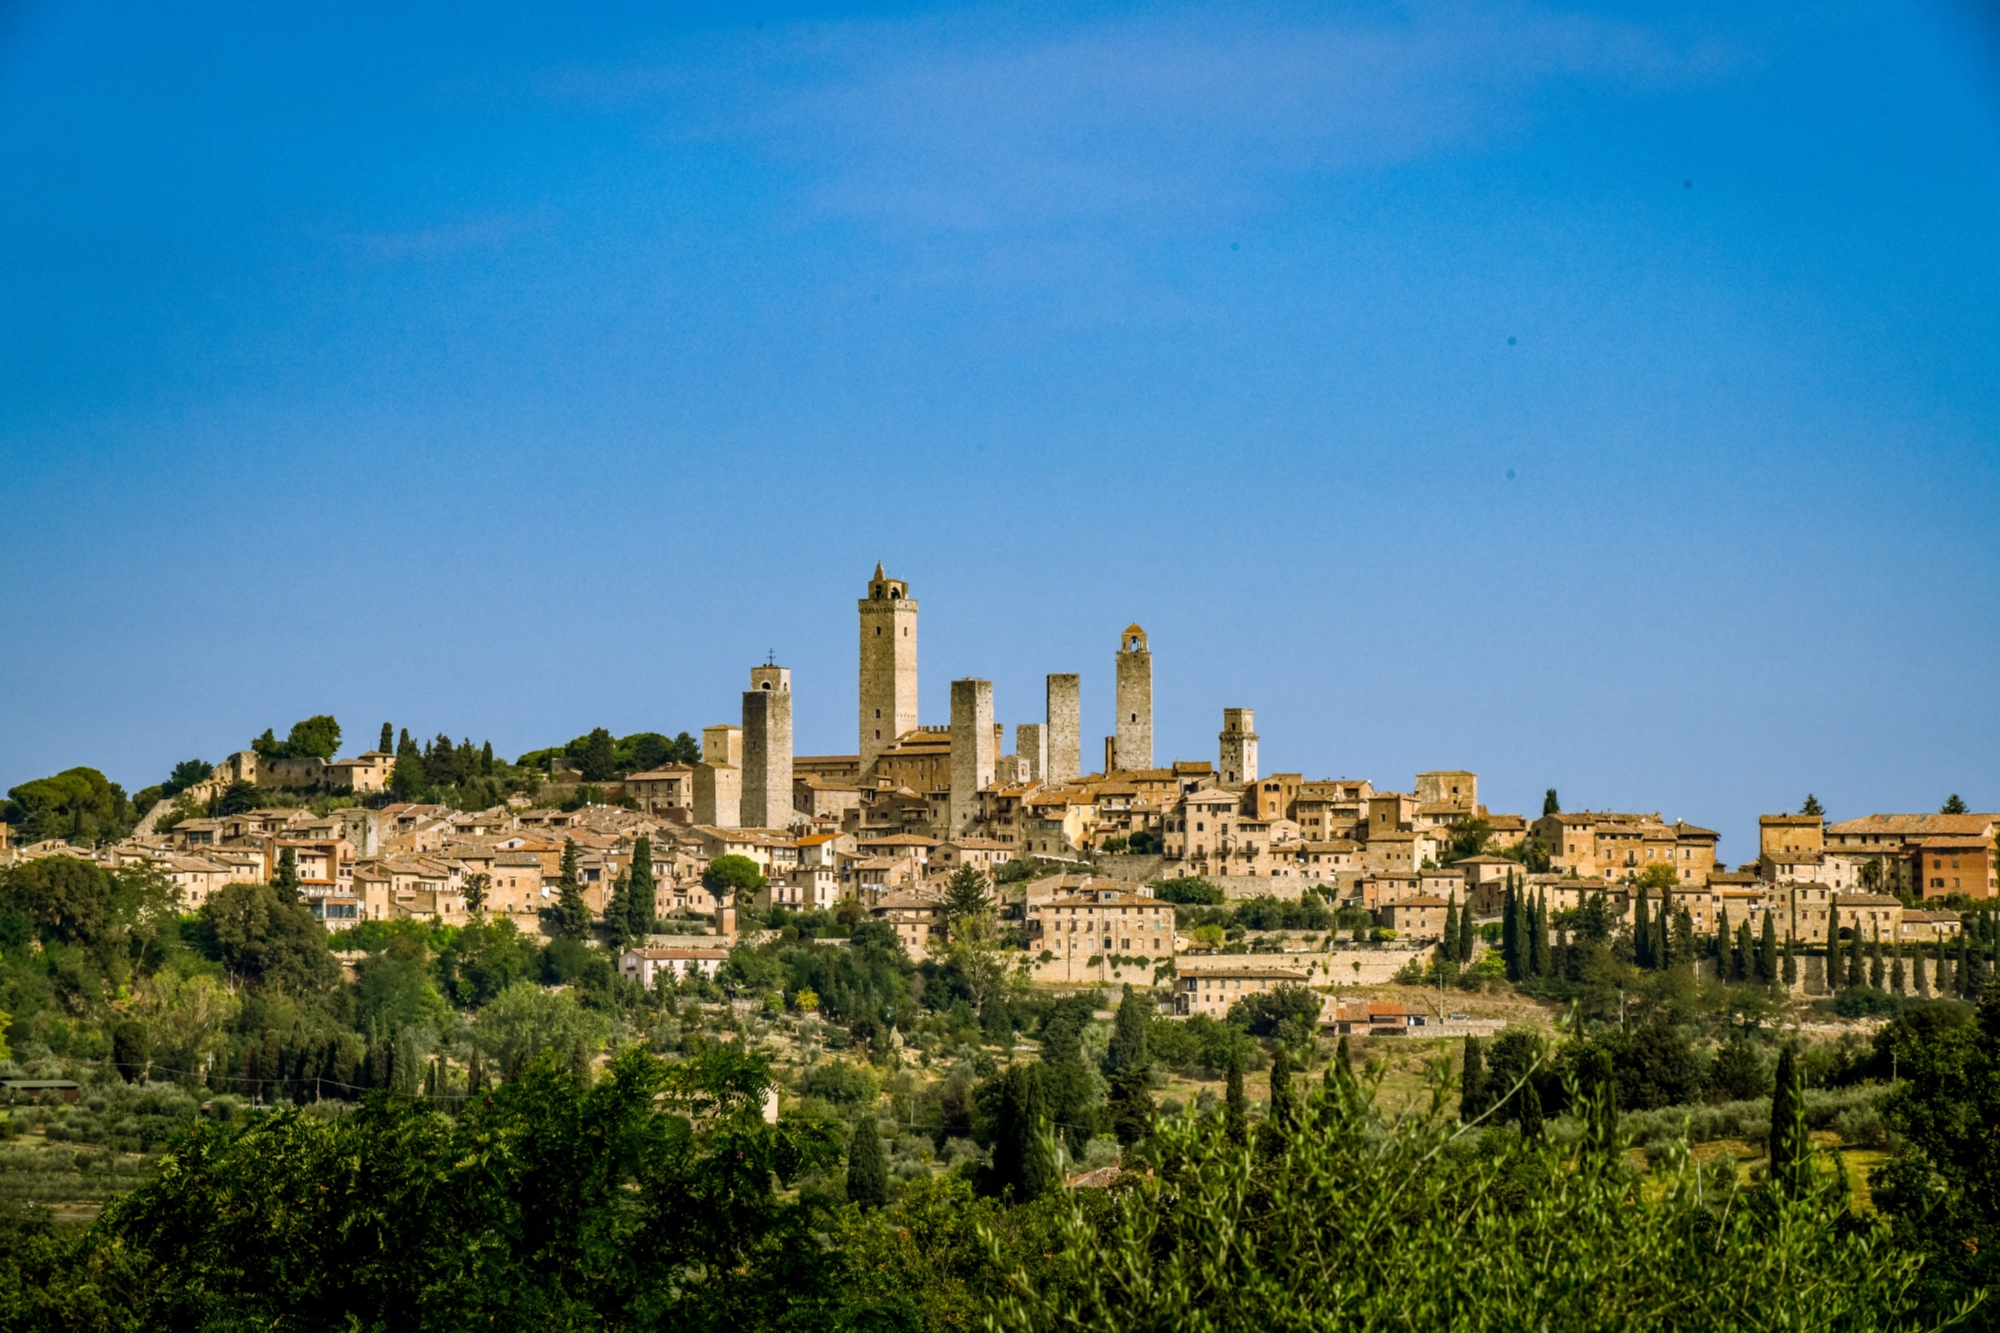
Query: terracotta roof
point(1963, 825)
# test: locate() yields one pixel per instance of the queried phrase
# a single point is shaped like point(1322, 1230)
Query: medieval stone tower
point(767, 748)
point(1239, 746)
point(718, 782)
point(973, 750)
point(1132, 746)
point(888, 667)
point(1065, 724)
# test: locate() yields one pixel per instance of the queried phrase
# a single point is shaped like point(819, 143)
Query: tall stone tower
point(767, 748)
point(1065, 736)
point(1031, 746)
point(888, 667)
point(1133, 744)
point(718, 782)
point(1239, 746)
point(973, 749)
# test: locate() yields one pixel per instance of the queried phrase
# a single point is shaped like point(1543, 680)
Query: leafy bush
point(1190, 890)
point(841, 1083)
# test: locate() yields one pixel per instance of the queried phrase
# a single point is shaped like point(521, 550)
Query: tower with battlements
point(888, 667)
point(1132, 743)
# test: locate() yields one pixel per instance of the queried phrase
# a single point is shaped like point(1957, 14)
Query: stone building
point(1031, 746)
point(888, 667)
point(1238, 743)
point(718, 780)
point(1132, 744)
point(1065, 724)
point(767, 748)
point(973, 743)
point(1452, 787)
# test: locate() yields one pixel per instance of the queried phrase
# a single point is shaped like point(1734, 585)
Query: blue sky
point(1606, 398)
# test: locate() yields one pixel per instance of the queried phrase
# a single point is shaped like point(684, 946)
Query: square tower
point(1239, 746)
point(1065, 725)
point(1031, 745)
point(767, 748)
point(1132, 746)
point(888, 667)
point(718, 781)
point(974, 746)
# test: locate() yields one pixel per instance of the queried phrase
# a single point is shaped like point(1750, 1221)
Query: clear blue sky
point(1606, 398)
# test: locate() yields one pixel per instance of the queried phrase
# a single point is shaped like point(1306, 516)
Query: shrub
point(1189, 890)
point(842, 1083)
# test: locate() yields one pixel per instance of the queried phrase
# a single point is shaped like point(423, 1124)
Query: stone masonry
point(1239, 746)
point(767, 748)
point(1132, 746)
point(888, 667)
point(718, 781)
point(972, 750)
point(1031, 746)
point(1065, 724)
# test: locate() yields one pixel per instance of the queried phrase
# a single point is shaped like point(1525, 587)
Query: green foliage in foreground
point(653, 1198)
point(1358, 1223)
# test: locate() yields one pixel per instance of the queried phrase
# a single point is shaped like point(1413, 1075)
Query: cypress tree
point(1531, 1110)
point(1789, 1148)
point(618, 914)
point(1946, 983)
point(1683, 949)
point(1282, 1106)
point(1448, 946)
point(572, 913)
point(475, 1075)
point(1664, 954)
point(1464, 943)
point(286, 881)
point(867, 1168)
point(1725, 945)
point(639, 922)
point(1744, 963)
point(1472, 1083)
point(1235, 1108)
point(579, 1061)
point(1767, 952)
point(1791, 969)
point(1878, 972)
point(1896, 978)
point(1856, 968)
point(1968, 980)
point(1919, 983)
point(1510, 930)
point(1534, 962)
point(1642, 931)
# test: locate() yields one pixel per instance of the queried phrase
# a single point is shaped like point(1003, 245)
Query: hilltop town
point(1087, 864)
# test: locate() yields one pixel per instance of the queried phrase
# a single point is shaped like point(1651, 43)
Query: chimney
point(726, 919)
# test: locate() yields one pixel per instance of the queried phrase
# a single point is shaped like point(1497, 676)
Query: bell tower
point(1132, 746)
point(888, 667)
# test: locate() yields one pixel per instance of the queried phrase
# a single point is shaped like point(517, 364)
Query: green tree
point(1281, 1088)
point(867, 1167)
point(572, 914)
point(1855, 965)
point(1953, 805)
point(1642, 931)
point(387, 745)
point(1472, 1097)
point(1919, 983)
point(525, 1020)
point(317, 737)
point(285, 881)
point(1189, 891)
point(1811, 806)
point(1024, 1166)
point(1550, 804)
point(640, 904)
point(732, 879)
point(618, 913)
point(77, 804)
point(186, 774)
point(1127, 1049)
point(1877, 969)
point(599, 758)
point(1235, 1106)
point(266, 942)
point(1510, 931)
point(965, 895)
point(477, 886)
point(65, 898)
point(1463, 949)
